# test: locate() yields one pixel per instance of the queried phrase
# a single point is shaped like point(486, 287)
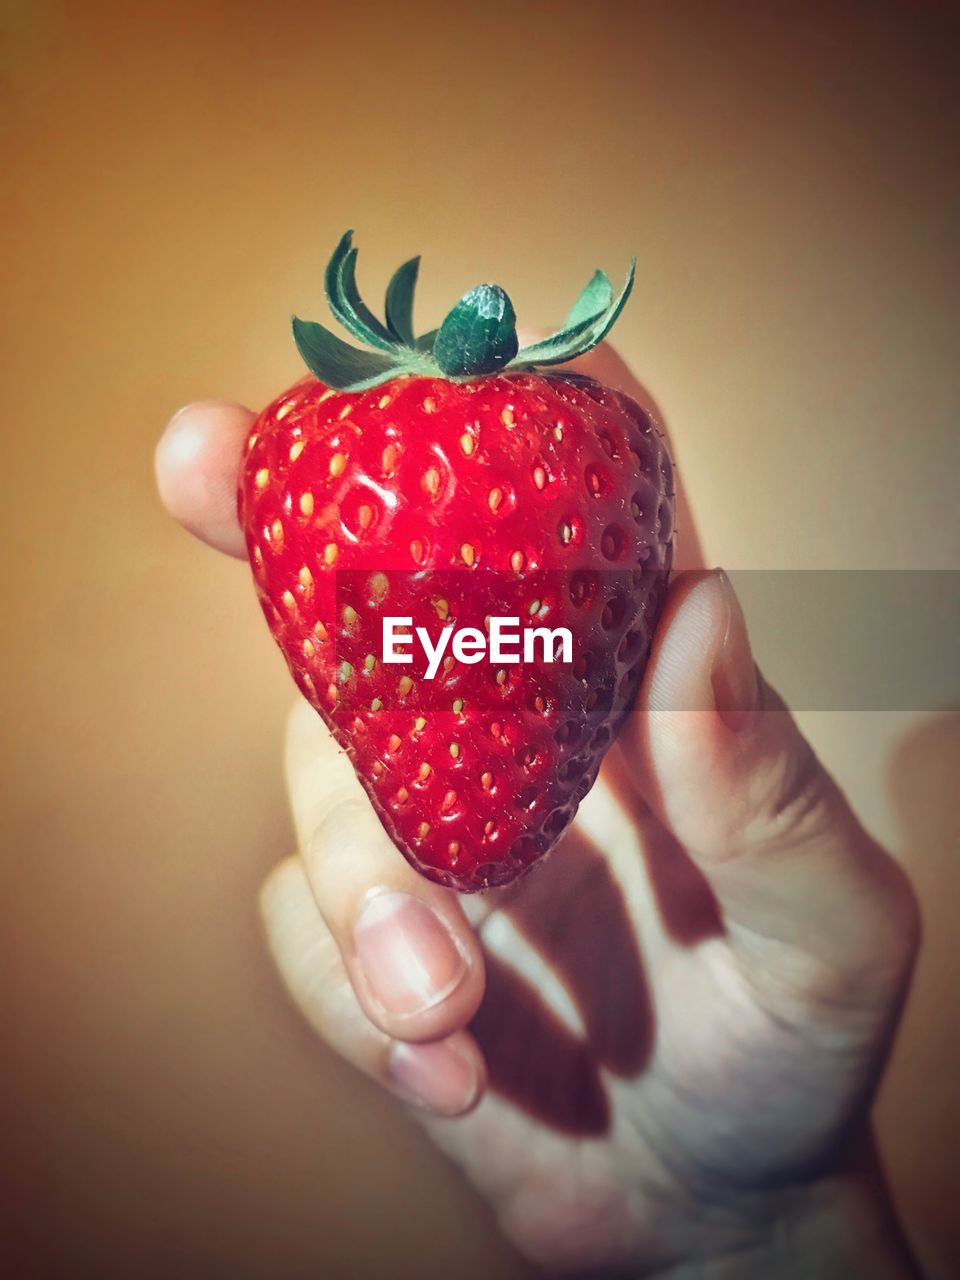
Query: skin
point(685, 1013)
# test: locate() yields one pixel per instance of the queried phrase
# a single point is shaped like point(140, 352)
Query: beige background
point(174, 177)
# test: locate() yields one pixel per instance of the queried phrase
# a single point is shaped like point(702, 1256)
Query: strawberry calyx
point(477, 337)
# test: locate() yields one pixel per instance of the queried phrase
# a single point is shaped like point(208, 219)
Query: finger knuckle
point(795, 801)
point(277, 884)
point(881, 938)
point(345, 815)
point(901, 919)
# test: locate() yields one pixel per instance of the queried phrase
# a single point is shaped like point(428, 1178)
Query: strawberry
point(448, 481)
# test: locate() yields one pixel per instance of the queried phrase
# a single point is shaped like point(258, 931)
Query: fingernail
point(434, 1075)
point(408, 955)
point(736, 687)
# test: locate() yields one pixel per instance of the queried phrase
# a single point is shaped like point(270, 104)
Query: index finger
point(197, 465)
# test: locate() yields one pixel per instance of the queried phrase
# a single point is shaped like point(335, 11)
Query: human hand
point(660, 1048)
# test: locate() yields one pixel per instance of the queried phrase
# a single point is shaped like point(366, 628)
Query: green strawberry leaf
point(580, 338)
point(345, 302)
point(356, 305)
point(399, 303)
point(593, 301)
point(336, 363)
point(479, 335)
point(564, 339)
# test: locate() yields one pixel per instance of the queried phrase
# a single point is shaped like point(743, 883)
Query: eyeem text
point(505, 644)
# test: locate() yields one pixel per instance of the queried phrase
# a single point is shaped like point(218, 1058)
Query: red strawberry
point(446, 481)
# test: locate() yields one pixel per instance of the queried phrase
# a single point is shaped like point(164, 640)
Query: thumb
point(725, 767)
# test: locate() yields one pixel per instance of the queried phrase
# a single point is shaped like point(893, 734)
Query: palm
point(628, 1048)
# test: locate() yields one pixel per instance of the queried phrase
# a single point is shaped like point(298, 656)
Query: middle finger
point(412, 958)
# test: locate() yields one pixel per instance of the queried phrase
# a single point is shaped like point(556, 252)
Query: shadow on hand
point(688, 908)
point(574, 914)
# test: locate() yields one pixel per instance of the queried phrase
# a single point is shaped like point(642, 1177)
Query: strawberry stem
point(479, 335)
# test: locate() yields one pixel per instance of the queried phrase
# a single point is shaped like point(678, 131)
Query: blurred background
point(174, 177)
